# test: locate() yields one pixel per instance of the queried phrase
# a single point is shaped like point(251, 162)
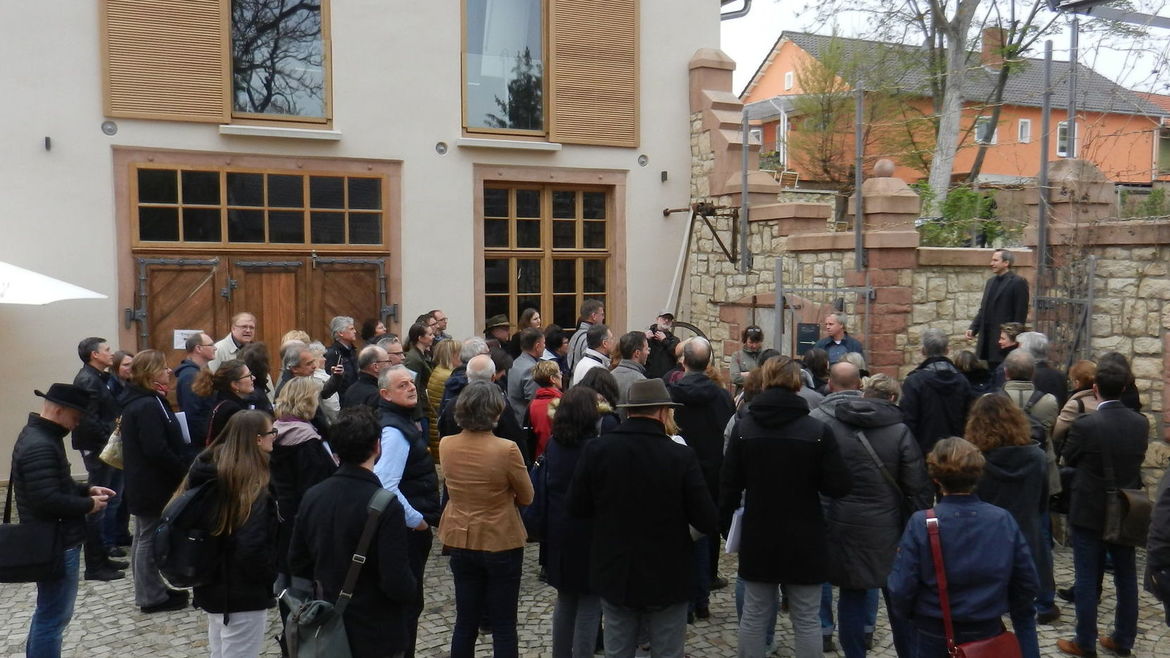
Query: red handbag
point(1004, 645)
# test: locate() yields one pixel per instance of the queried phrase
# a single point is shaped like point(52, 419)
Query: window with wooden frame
point(209, 207)
point(566, 70)
point(545, 247)
point(217, 60)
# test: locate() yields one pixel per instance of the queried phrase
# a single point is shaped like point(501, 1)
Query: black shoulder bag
point(30, 551)
point(315, 627)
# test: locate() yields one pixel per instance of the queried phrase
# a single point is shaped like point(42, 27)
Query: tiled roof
point(1095, 92)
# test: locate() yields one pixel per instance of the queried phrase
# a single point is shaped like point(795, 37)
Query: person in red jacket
point(547, 375)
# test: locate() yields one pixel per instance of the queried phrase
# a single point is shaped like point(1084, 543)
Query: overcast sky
point(1136, 63)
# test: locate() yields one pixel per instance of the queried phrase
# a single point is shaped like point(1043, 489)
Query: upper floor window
point(503, 65)
point(1024, 131)
point(278, 58)
point(984, 130)
point(1164, 150)
point(788, 76)
point(1062, 149)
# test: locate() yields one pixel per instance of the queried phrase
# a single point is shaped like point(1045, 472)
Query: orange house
point(1126, 134)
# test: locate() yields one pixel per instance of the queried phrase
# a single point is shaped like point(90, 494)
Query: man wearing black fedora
point(643, 492)
point(496, 331)
point(45, 491)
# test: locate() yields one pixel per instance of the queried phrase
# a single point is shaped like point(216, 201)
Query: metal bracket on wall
point(705, 211)
point(226, 291)
point(387, 310)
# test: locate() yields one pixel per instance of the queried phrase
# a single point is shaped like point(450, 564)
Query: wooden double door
point(176, 294)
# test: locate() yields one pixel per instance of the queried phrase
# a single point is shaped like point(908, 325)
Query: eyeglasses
point(247, 376)
point(399, 353)
point(246, 327)
point(385, 360)
point(271, 432)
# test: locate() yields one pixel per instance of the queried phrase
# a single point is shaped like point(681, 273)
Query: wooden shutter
point(594, 81)
point(166, 59)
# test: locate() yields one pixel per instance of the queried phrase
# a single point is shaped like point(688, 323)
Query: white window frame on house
point(1024, 131)
point(789, 80)
point(985, 120)
point(1162, 151)
point(756, 135)
point(782, 139)
point(1062, 140)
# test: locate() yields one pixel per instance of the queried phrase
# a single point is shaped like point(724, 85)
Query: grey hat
point(648, 393)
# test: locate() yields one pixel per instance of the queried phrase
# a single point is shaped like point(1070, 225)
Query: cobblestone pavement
point(106, 623)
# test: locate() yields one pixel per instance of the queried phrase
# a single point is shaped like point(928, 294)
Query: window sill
point(274, 131)
point(508, 144)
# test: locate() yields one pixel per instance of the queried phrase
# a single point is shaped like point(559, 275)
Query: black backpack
point(185, 550)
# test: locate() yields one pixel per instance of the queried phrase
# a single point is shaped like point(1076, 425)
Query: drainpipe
point(738, 13)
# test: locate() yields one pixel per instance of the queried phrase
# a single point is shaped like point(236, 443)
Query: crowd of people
point(633, 460)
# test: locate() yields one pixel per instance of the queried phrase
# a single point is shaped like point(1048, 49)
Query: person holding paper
point(155, 459)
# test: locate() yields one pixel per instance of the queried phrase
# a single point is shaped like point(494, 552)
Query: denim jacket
point(989, 569)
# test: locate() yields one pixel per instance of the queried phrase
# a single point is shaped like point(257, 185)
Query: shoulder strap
point(1037, 395)
point(375, 507)
point(1081, 406)
point(881, 465)
point(940, 574)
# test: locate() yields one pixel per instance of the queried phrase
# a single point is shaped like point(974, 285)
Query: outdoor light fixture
point(110, 128)
point(441, 148)
point(643, 160)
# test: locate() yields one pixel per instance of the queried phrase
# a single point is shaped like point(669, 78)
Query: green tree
point(524, 108)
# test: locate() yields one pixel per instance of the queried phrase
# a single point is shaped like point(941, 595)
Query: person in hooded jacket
point(244, 515)
point(935, 395)
point(155, 459)
point(707, 407)
point(1015, 477)
point(864, 527)
point(778, 463)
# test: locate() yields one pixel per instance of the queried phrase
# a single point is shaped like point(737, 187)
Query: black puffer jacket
point(300, 459)
point(707, 407)
point(244, 580)
point(44, 489)
point(935, 397)
point(155, 455)
point(781, 459)
point(1016, 479)
point(102, 412)
point(865, 526)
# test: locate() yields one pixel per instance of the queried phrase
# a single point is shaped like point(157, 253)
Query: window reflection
point(278, 57)
point(504, 65)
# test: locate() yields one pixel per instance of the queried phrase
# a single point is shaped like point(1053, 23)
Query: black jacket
point(567, 539)
point(102, 413)
point(864, 527)
point(1005, 299)
point(156, 457)
point(781, 459)
point(244, 580)
point(44, 489)
point(420, 483)
point(1016, 479)
point(197, 407)
point(1158, 545)
point(225, 406)
point(642, 491)
point(707, 407)
point(507, 427)
point(661, 359)
point(346, 356)
point(296, 466)
point(1125, 434)
point(1050, 380)
point(935, 397)
point(328, 526)
point(363, 391)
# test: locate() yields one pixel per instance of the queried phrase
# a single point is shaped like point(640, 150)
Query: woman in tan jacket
point(481, 525)
point(1083, 400)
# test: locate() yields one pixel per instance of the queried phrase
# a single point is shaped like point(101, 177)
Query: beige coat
point(1071, 412)
point(486, 480)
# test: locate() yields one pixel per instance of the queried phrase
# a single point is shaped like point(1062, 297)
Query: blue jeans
point(1088, 549)
point(854, 609)
point(55, 599)
point(871, 606)
point(932, 643)
point(486, 581)
point(1046, 597)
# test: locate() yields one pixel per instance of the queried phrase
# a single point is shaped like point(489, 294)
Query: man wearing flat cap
point(495, 331)
point(643, 492)
point(45, 491)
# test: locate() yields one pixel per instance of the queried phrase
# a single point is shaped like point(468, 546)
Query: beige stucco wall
point(396, 93)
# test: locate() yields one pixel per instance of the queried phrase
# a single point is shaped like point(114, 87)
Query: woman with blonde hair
point(985, 559)
point(243, 515)
point(155, 460)
point(547, 375)
point(446, 360)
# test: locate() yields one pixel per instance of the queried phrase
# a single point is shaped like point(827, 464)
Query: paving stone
point(106, 622)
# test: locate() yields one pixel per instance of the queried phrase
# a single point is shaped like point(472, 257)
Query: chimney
point(992, 55)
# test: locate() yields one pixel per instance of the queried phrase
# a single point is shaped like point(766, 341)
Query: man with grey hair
point(1005, 299)
point(342, 352)
point(1045, 377)
point(407, 470)
point(471, 348)
point(707, 407)
point(371, 361)
point(837, 342)
point(935, 395)
point(482, 368)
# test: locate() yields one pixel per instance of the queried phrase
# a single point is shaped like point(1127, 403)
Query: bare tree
point(278, 57)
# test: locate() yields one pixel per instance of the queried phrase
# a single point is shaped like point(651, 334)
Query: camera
point(653, 328)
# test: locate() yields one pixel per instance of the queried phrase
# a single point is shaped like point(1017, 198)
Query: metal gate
point(796, 302)
point(1063, 309)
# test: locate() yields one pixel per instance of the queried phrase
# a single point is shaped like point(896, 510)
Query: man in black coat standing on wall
point(1005, 299)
